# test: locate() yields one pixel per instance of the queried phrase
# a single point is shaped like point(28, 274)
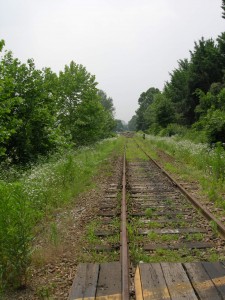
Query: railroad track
point(147, 217)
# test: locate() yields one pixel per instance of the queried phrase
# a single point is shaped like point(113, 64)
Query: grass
point(166, 255)
point(32, 195)
point(133, 153)
point(149, 212)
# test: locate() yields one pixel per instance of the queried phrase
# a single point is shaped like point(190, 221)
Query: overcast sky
point(130, 45)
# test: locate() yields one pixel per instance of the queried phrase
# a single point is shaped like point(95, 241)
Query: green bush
point(16, 223)
point(173, 129)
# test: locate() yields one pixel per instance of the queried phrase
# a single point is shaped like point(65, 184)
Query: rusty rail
point(205, 212)
point(123, 237)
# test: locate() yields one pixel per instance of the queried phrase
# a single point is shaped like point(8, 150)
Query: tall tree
point(36, 133)
point(177, 91)
point(106, 102)
point(9, 99)
point(132, 124)
point(85, 114)
point(205, 68)
point(144, 101)
point(223, 8)
point(160, 112)
point(75, 86)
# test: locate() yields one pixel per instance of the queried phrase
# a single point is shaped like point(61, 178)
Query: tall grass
point(210, 160)
point(29, 196)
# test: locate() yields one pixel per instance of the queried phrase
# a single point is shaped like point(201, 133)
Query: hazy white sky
point(130, 45)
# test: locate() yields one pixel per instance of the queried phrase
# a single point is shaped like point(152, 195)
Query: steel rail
point(205, 212)
point(124, 257)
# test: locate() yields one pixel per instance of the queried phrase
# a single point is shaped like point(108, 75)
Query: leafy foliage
point(120, 126)
point(223, 8)
point(41, 111)
point(132, 124)
point(145, 100)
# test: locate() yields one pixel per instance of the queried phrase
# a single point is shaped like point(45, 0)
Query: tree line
point(193, 98)
point(41, 111)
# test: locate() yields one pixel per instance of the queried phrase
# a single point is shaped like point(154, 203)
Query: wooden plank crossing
point(97, 281)
point(200, 280)
point(153, 281)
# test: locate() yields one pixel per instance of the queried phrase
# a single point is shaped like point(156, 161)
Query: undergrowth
point(28, 196)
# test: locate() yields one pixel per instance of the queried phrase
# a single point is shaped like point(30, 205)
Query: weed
point(169, 237)
point(195, 236)
point(214, 257)
point(153, 236)
point(44, 292)
point(169, 201)
point(54, 236)
point(91, 228)
point(149, 212)
point(154, 224)
point(214, 227)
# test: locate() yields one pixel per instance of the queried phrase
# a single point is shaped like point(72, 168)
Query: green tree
point(9, 100)
point(109, 109)
point(35, 135)
point(205, 68)
point(89, 125)
point(223, 8)
point(27, 109)
point(85, 113)
point(106, 102)
point(75, 86)
point(211, 110)
point(177, 91)
point(132, 124)
point(221, 49)
point(144, 101)
point(160, 112)
point(120, 126)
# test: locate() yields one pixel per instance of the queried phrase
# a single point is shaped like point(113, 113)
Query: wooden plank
point(138, 285)
point(153, 282)
point(108, 213)
point(172, 231)
point(85, 282)
point(111, 195)
point(167, 214)
point(161, 221)
point(105, 206)
point(104, 233)
point(109, 282)
point(188, 245)
point(216, 272)
point(201, 281)
point(177, 281)
point(107, 248)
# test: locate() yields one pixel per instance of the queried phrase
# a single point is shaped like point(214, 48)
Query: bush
point(16, 222)
point(173, 129)
point(215, 126)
